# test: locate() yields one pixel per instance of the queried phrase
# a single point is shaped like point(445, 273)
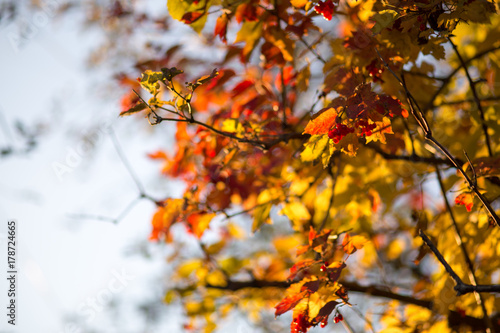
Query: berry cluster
point(338, 318)
point(300, 324)
point(325, 8)
point(337, 133)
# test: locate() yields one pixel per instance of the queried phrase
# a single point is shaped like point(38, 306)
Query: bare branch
point(461, 288)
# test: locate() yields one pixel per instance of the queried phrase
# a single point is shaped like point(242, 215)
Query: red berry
point(325, 8)
point(422, 27)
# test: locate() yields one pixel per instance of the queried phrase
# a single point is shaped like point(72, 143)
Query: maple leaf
point(322, 122)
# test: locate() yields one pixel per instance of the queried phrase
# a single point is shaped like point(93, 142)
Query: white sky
point(63, 262)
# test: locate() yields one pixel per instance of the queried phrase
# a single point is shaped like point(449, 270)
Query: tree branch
point(470, 266)
point(419, 116)
point(476, 97)
point(461, 288)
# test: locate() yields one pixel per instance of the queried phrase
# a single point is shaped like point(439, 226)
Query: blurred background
point(84, 260)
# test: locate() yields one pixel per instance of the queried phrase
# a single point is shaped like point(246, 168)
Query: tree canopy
point(329, 150)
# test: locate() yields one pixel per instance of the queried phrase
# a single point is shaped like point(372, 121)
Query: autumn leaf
point(465, 199)
point(322, 122)
point(165, 216)
point(289, 303)
point(199, 222)
point(202, 80)
point(170, 73)
point(134, 109)
point(352, 244)
point(191, 17)
point(221, 27)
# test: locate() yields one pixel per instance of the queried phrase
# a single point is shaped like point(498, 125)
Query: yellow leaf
point(231, 126)
point(216, 278)
point(280, 39)
point(250, 33)
point(299, 3)
point(297, 212)
point(188, 267)
point(261, 216)
point(314, 148)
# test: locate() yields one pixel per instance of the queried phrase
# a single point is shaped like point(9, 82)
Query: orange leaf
point(199, 222)
point(221, 27)
point(322, 122)
point(158, 155)
point(164, 217)
point(289, 303)
point(352, 244)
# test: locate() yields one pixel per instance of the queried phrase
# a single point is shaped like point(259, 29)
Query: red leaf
point(241, 87)
point(191, 17)
point(247, 11)
point(393, 106)
point(465, 199)
point(289, 303)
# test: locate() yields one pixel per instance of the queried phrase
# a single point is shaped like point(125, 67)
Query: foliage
point(314, 150)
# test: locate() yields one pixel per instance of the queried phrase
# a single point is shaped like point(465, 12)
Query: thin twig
point(332, 197)
point(470, 265)
point(447, 80)
point(476, 97)
point(125, 162)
